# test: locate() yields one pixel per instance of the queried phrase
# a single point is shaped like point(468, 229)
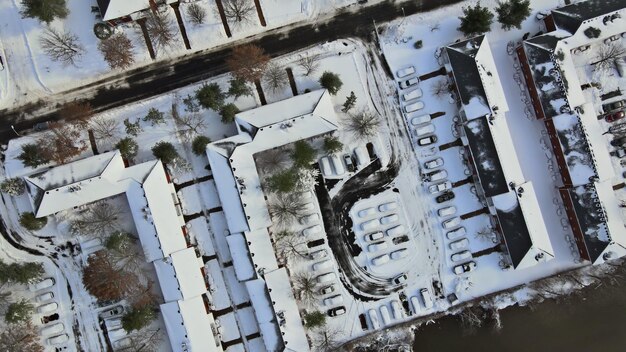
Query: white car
point(396, 309)
point(309, 219)
point(337, 165)
point(385, 207)
point(411, 95)
point(306, 195)
point(325, 167)
point(313, 230)
point(446, 211)
point(440, 187)
point(406, 71)
point(374, 236)
point(377, 246)
point(389, 219)
point(396, 230)
point(308, 207)
point(400, 279)
point(433, 164)
point(45, 283)
point(427, 141)
point(464, 268)
point(460, 244)
point(375, 324)
point(44, 297)
point(369, 225)
point(460, 256)
point(319, 254)
point(384, 314)
point(366, 212)
point(380, 260)
point(421, 119)
point(426, 298)
point(333, 300)
point(415, 303)
point(57, 340)
point(456, 234)
point(425, 130)
point(327, 290)
point(451, 223)
point(47, 308)
point(399, 254)
point(323, 265)
point(436, 176)
point(418, 105)
point(53, 329)
point(408, 83)
point(328, 277)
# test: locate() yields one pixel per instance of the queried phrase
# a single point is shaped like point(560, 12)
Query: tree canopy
point(44, 10)
point(303, 154)
point(476, 20)
point(165, 151)
point(331, 82)
point(198, 146)
point(210, 96)
point(512, 13)
point(30, 222)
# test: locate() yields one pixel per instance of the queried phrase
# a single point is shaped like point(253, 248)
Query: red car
point(614, 116)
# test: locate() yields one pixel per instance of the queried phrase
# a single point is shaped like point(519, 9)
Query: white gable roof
point(189, 327)
point(180, 275)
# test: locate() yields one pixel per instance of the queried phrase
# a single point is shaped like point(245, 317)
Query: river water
point(594, 321)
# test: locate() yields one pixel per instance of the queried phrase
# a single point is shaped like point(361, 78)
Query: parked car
point(408, 83)
point(327, 290)
point(347, 159)
point(377, 246)
point(362, 156)
point(337, 165)
point(313, 230)
point(620, 104)
point(374, 236)
point(400, 239)
point(451, 223)
point(616, 142)
point(419, 120)
point(385, 207)
point(444, 197)
point(411, 95)
point(53, 329)
point(396, 309)
point(369, 225)
point(415, 304)
point(112, 312)
point(122, 343)
point(464, 268)
point(384, 314)
point(427, 140)
point(374, 323)
point(460, 244)
point(436, 176)
point(446, 211)
point(333, 312)
point(327, 277)
point(47, 308)
point(418, 105)
point(325, 166)
point(399, 254)
point(323, 265)
point(309, 219)
point(319, 254)
point(367, 212)
point(396, 230)
point(452, 299)
point(43, 284)
point(380, 260)
point(433, 164)
point(618, 115)
point(400, 279)
point(426, 298)
point(389, 219)
point(440, 187)
point(57, 340)
point(460, 256)
point(406, 71)
point(315, 243)
point(425, 130)
point(456, 233)
point(44, 297)
point(333, 300)
point(41, 126)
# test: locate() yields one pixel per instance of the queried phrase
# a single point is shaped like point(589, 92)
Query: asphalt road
point(162, 77)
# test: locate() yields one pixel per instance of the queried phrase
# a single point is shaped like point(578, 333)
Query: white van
point(375, 324)
point(328, 277)
point(421, 119)
point(425, 130)
point(325, 166)
point(53, 329)
point(396, 230)
point(426, 298)
point(384, 313)
point(413, 94)
point(418, 105)
point(337, 165)
point(333, 300)
point(324, 264)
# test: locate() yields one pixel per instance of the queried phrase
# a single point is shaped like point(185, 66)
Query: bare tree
point(441, 88)
point(289, 245)
point(305, 287)
point(248, 62)
point(606, 55)
point(362, 124)
point(20, 337)
point(144, 340)
point(61, 143)
point(239, 11)
point(99, 220)
point(77, 112)
point(117, 51)
point(472, 318)
point(189, 125)
point(105, 129)
point(126, 253)
point(327, 338)
point(285, 209)
point(272, 160)
point(196, 13)
point(310, 64)
point(161, 29)
point(61, 46)
point(275, 77)
point(142, 295)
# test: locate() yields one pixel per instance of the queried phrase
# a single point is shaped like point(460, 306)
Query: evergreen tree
point(314, 319)
point(127, 147)
point(282, 182)
point(32, 156)
point(350, 101)
point(155, 117)
point(303, 154)
point(191, 104)
point(331, 82)
point(132, 128)
point(44, 10)
point(210, 96)
point(165, 151)
point(239, 88)
point(19, 311)
point(228, 112)
point(512, 13)
point(13, 186)
point(476, 20)
point(138, 318)
point(30, 222)
point(198, 146)
point(332, 145)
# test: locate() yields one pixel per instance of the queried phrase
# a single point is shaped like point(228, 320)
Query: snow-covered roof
point(614, 222)
point(246, 202)
point(112, 9)
point(189, 326)
point(287, 313)
point(476, 77)
point(241, 257)
point(261, 250)
point(265, 316)
point(523, 227)
point(572, 16)
point(180, 275)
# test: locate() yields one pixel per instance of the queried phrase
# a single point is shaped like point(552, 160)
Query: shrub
point(210, 96)
point(13, 186)
point(198, 146)
point(228, 112)
point(30, 222)
point(32, 156)
point(418, 44)
point(331, 82)
point(165, 151)
point(127, 147)
point(303, 154)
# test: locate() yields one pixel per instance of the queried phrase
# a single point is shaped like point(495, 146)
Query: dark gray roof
point(485, 155)
point(591, 218)
point(570, 17)
point(515, 233)
point(465, 69)
point(104, 5)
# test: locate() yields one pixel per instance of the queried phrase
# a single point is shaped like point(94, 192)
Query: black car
point(444, 197)
point(614, 105)
point(618, 141)
point(337, 311)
